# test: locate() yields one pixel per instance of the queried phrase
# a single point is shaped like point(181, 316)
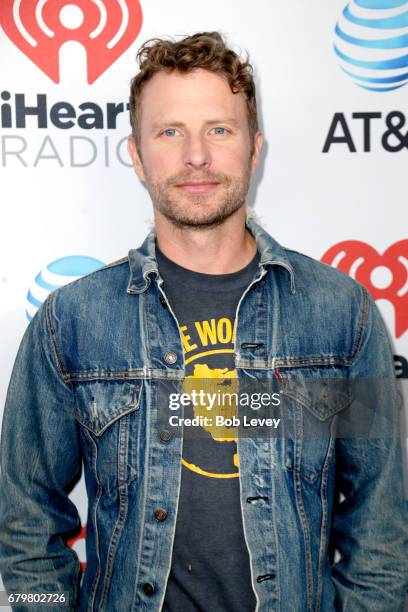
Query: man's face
point(195, 148)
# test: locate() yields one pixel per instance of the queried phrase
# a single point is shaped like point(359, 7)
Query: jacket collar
point(143, 263)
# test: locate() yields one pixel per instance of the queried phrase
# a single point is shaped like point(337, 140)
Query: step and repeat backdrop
point(332, 82)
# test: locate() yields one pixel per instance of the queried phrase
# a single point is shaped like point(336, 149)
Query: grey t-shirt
point(210, 564)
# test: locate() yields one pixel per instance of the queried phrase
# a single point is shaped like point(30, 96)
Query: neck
point(222, 249)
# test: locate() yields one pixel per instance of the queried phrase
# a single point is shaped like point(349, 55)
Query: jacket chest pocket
point(110, 415)
point(314, 401)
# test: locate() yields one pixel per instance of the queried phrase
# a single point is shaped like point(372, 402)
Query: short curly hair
point(206, 50)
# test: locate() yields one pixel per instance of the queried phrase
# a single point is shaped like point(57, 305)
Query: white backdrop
point(70, 194)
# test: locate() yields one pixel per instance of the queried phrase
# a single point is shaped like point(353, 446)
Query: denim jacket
point(84, 391)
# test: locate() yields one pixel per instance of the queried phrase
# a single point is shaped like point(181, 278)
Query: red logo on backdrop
point(362, 261)
point(80, 536)
point(106, 29)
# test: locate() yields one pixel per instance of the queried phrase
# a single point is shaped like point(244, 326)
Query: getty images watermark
point(294, 408)
point(218, 401)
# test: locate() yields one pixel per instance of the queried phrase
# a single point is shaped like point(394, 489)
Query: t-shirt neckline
point(172, 272)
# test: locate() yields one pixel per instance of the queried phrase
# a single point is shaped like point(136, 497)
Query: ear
point(135, 157)
point(257, 149)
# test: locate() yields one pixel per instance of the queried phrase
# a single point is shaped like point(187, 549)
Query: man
point(219, 519)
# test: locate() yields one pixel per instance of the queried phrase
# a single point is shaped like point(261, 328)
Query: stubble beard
point(174, 209)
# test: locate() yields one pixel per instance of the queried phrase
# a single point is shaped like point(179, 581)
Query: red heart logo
point(359, 260)
point(106, 30)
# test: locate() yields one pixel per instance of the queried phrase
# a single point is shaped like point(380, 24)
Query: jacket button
point(165, 435)
point(170, 357)
point(160, 514)
point(148, 588)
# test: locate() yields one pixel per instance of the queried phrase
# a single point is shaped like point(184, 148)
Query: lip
point(198, 186)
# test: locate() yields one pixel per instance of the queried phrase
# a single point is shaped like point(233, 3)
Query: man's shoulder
point(102, 286)
point(309, 276)
point(328, 309)
point(316, 277)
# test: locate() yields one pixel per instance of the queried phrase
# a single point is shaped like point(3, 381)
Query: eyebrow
point(162, 124)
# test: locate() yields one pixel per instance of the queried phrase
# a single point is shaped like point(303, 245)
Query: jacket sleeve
point(370, 529)
point(40, 463)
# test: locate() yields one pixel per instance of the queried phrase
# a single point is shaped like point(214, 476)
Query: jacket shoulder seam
point(117, 262)
point(113, 264)
point(363, 316)
point(57, 356)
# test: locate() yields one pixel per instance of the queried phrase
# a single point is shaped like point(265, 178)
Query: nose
point(197, 152)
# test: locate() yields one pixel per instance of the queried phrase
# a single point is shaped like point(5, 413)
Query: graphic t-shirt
point(210, 567)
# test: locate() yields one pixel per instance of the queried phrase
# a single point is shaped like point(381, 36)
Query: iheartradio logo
point(39, 28)
point(384, 276)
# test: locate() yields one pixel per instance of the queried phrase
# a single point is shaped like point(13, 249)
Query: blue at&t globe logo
point(371, 43)
point(56, 274)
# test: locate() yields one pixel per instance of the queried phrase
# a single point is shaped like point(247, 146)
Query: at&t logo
point(39, 28)
point(371, 43)
point(371, 46)
point(56, 274)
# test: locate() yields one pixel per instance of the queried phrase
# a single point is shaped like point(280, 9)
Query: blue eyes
point(171, 132)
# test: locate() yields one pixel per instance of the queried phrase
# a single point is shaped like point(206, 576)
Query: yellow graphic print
point(217, 382)
point(212, 381)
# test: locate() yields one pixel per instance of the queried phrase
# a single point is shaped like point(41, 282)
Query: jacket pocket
point(323, 391)
point(110, 415)
point(100, 403)
point(314, 401)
